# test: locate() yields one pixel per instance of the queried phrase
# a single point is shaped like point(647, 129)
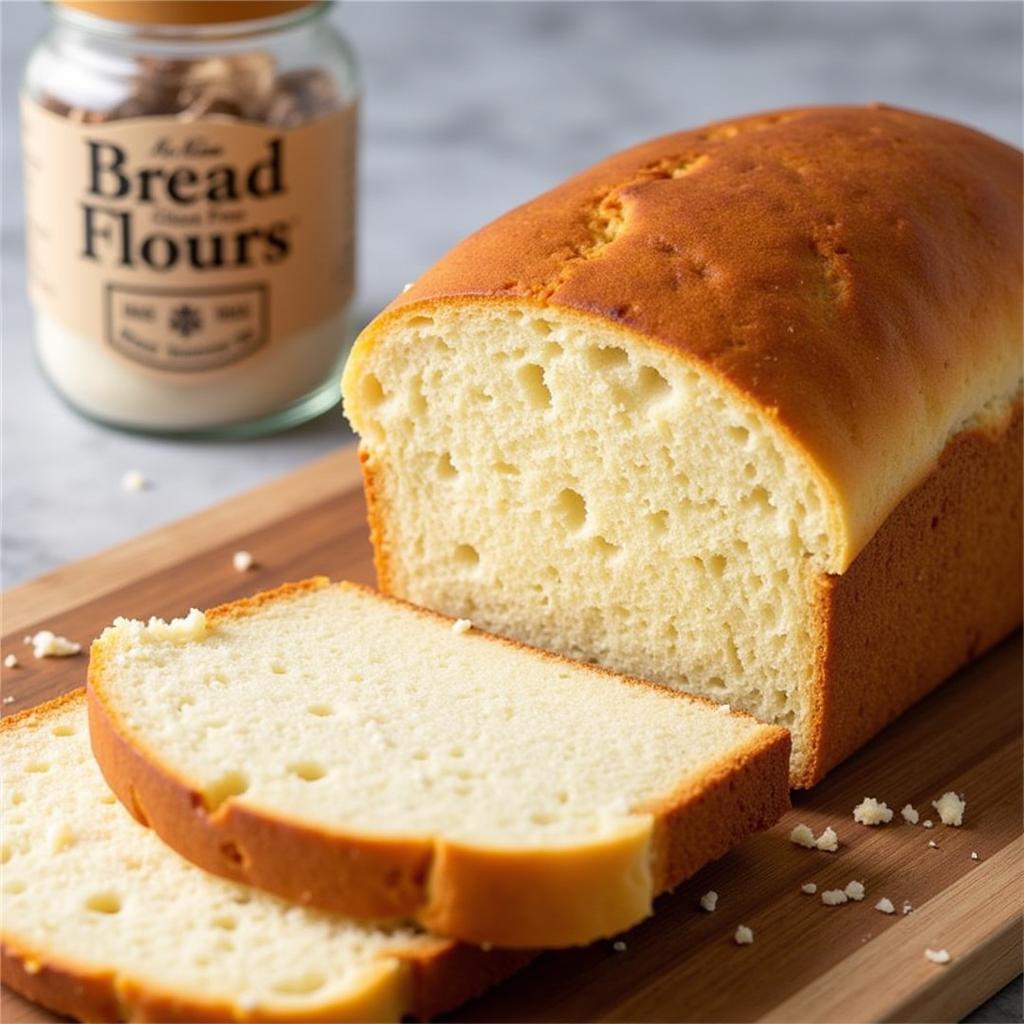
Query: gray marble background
point(469, 109)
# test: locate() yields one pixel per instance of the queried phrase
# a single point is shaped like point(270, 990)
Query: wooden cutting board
point(808, 962)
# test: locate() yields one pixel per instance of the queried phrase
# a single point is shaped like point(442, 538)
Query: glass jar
point(190, 191)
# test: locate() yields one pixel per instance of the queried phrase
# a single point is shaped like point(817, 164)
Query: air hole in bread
point(420, 321)
point(226, 922)
point(309, 771)
point(552, 350)
point(456, 752)
point(606, 358)
point(373, 390)
point(300, 984)
point(108, 798)
point(604, 548)
point(320, 710)
point(445, 467)
point(104, 902)
point(17, 797)
point(231, 783)
point(506, 468)
point(36, 767)
point(658, 521)
point(739, 434)
point(531, 377)
point(63, 730)
point(419, 755)
point(542, 328)
point(542, 818)
point(467, 555)
point(5, 853)
point(278, 668)
point(715, 683)
point(14, 886)
point(573, 508)
point(716, 565)
point(186, 701)
point(417, 401)
point(652, 386)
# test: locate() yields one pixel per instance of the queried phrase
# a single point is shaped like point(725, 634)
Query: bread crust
point(937, 586)
point(422, 980)
point(853, 272)
point(576, 893)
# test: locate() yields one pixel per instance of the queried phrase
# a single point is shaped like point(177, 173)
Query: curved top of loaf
point(855, 272)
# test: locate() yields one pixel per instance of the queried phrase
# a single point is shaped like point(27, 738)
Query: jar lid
point(185, 12)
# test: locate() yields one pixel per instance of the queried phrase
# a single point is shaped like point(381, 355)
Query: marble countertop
point(469, 110)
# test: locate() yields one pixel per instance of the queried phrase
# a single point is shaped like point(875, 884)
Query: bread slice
point(356, 753)
point(736, 410)
point(102, 921)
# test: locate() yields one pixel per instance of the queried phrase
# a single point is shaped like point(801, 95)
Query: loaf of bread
point(101, 921)
point(736, 410)
point(352, 752)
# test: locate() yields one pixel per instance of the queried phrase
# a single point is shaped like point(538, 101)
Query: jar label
point(188, 245)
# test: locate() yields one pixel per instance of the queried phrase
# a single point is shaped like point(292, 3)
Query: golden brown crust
point(854, 272)
point(938, 585)
point(699, 824)
point(574, 895)
point(431, 979)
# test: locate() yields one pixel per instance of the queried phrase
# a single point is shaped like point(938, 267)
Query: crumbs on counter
point(872, 812)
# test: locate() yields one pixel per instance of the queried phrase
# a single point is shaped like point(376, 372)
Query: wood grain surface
point(808, 962)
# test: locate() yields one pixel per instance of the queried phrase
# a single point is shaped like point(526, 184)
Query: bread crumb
point(744, 936)
point(724, 709)
point(46, 644)
point(872, 812)
point(833, 897)
point(134, 481)
point(802, 836)
point(11, 661)
point(907, 908)
point(242, 561)
point(951, 809)
point(61, 837)
point(8, 700)
point(938, 956)
point(183, 630)
point(910, 816)
point(406, 287)
point(974, 855)
point(809, 887)
point(855, 891)
point(927, 823)
point(461, 626)
point(709, 900)
point(885, 906)
point(934, 845)
point(619, 947)
point(31, 966)
point(828, 840)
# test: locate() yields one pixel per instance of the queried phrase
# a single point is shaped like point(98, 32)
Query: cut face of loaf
point(736, 410)
point(554, 480)
point(103, 922)
point(354, 752)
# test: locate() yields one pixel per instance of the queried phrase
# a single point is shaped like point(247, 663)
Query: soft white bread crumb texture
point(85, 885)
point(613, 501)
point(336, 707)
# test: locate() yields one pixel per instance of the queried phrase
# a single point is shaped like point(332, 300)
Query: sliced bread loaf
point(354, 752)
point(736, 410)
point(103, 922)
